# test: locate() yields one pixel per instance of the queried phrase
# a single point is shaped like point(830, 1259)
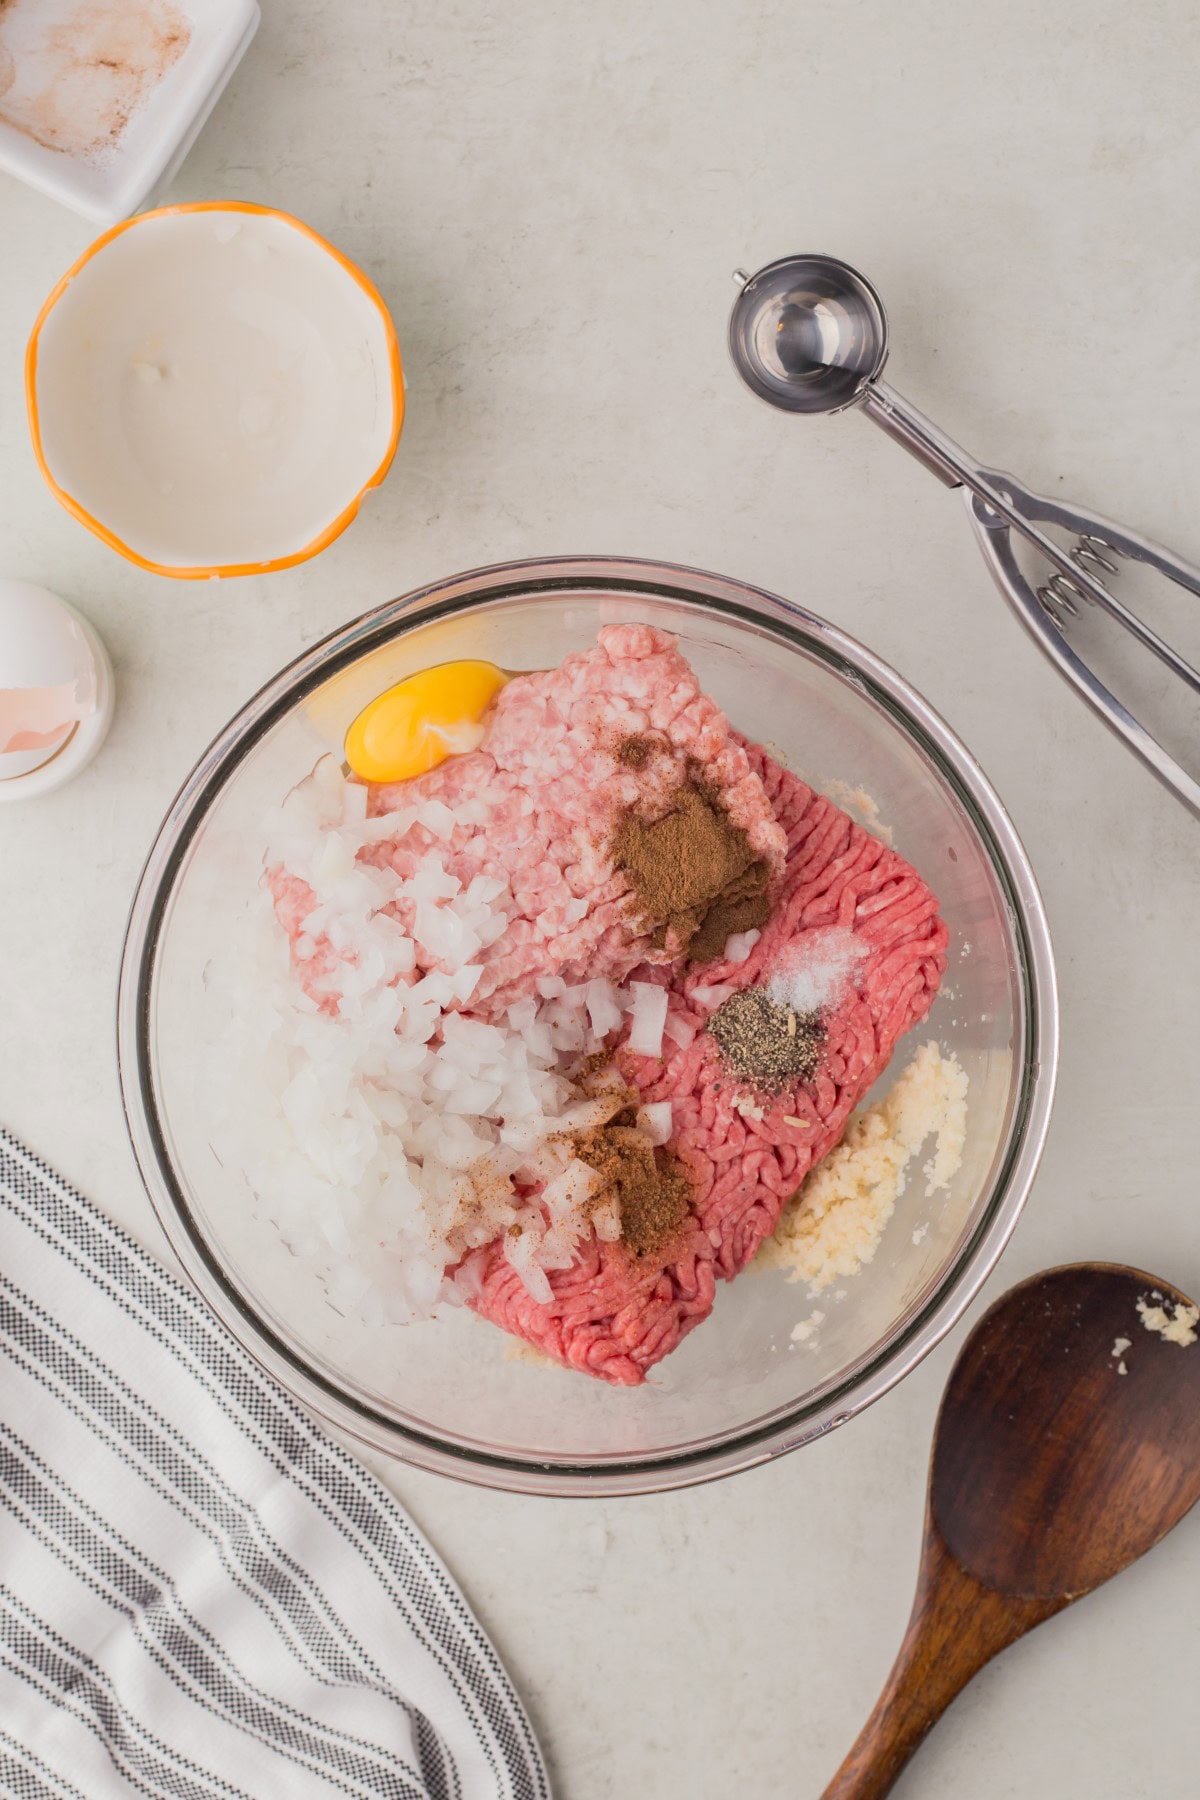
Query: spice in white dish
point(79, 70)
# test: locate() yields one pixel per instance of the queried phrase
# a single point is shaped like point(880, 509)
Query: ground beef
point(615, 1318)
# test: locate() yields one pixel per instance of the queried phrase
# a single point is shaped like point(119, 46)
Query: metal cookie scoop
point(809, 333)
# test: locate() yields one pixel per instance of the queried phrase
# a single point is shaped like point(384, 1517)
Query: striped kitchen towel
point(203, 1597)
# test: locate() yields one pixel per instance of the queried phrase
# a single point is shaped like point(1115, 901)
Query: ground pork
point(615, 1318)
point(536, 805)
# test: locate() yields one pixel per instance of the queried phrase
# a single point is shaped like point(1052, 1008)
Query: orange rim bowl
point(266, 566)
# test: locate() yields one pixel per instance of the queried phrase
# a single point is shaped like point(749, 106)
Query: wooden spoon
point(1051, 1472)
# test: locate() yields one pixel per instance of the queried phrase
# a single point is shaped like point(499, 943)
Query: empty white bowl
point(212, 389)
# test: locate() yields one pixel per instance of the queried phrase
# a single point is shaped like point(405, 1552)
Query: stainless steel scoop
point(809, 333)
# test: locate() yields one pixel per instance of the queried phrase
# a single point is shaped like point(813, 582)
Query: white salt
point(817, 971)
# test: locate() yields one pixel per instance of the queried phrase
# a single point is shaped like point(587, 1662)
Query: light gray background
point(551, 197)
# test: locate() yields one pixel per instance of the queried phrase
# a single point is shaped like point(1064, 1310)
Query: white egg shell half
point(55, 683)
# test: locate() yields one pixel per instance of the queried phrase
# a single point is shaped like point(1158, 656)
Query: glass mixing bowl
point(450, 1395)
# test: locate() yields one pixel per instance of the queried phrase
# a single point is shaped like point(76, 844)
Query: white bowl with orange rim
point(213, 389)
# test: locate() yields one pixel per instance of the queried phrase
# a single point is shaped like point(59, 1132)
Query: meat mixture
point(692, 968)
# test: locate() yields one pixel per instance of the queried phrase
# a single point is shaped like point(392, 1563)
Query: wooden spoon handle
point(957, 1625)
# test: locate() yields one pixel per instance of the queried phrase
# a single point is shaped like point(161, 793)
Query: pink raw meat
point(614, 1318)
point(541, 796)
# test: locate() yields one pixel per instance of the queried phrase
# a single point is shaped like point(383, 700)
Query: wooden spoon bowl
point(1051, 1472)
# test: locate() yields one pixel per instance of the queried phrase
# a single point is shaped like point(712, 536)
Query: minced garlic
point(833, 1224)
point(1177, 1325)
point(807, 1328)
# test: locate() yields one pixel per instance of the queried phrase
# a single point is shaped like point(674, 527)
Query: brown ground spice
point(634, 752)
point(651, 1188)
point(589, 1068)
point(694, 874)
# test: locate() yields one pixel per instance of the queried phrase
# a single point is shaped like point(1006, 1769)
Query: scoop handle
point(957, 1625)
point(901, 420)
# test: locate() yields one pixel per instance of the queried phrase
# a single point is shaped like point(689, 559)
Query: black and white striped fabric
point(202, 1597)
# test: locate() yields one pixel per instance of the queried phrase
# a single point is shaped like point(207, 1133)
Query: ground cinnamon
point(694, 874)
point(650, 1187)
point(634, 752)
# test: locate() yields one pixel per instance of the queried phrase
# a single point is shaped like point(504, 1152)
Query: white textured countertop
point(552, 209)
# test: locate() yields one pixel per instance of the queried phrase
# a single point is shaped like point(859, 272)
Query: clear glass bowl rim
point(797, 627)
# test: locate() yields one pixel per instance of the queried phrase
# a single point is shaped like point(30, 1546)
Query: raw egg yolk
point(421, 721)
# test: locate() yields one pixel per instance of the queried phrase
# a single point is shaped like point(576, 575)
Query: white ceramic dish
point(101, 100)
point(212, 389)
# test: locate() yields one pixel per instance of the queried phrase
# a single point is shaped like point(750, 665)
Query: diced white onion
point(603, 1007)
point(655, 1120)
point(679, 1029)
point(400, 1138)
point(649, 1017)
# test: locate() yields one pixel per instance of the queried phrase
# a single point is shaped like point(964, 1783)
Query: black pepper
point(768, 1046)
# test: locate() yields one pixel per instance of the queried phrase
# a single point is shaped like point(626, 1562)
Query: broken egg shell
point(56, 690)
